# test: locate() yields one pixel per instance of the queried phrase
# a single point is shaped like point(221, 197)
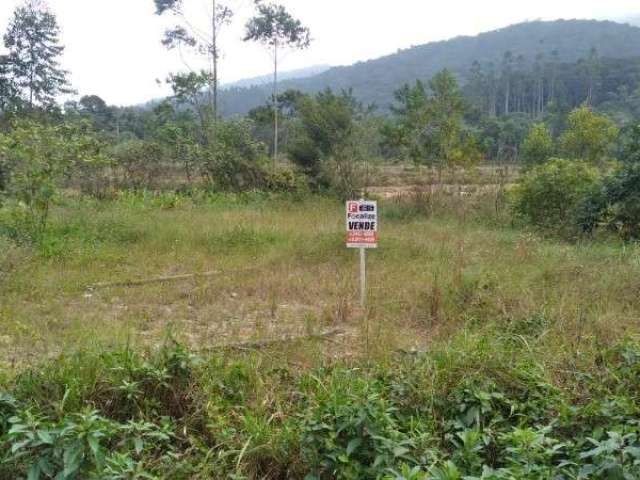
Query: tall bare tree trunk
point(507, 97)
point(214, 48)
point(275, 101)
point(542, 96)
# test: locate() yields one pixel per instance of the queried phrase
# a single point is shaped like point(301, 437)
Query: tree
point(405, 133)
point(186, 34)
point(32, 40)
point(539, 94)
point(592, 70)
point(492, 86)
point(507, 74)
point(276, 28)
point(38, 157)
point(429, 127)
point(477, 86)
point(138, 163)
point(8, 92)
point(631, 145)
point(538, 146)
point(450, 144)
point(521, 81)
point(589, 136)
point(616, 204)
point(552, 67)
point(262, 117)
point(327, 140)
point(187, 90)
point(236, 161)
point(176, 132)
point(97, 111)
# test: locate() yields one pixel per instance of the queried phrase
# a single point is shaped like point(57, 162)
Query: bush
point(589, 136)
point(328, 139)
point(37, 157)
point(629, 144)
point(285, 180)
point(139, 163)
point(234, 160)
point(616, 205)
point(551, 193)
point(538, 146)
point(477, 408)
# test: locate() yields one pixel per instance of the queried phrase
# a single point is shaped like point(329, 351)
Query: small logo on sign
point(353, 207)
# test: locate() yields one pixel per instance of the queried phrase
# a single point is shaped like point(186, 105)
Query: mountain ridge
point(374, 81)
point(296, 74)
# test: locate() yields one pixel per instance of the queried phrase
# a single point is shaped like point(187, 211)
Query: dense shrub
point(589, 136)
point(616, 205)
point(538, 146)
point(550, 194)
point(35, 158)
point(139, 163)
point(234, 160)
point(286, 180)
point(476, 409)
point(327, 141)
point(629, 145)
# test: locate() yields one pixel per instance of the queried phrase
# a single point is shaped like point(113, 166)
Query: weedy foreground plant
point(475, 408)
point(526, 367)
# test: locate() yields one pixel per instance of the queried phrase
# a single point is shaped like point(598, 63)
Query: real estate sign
point(362, 224)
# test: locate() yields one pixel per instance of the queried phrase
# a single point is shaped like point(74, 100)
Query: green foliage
point(549, 195)
point(325, 141)
point(37, 157)
point(410, 112)
point(630, 151)
point(234, 160)
point(285, 180)
point(616, 205)
point(429, 127)
point(501, 138)
point(274, 26)
point(354, 432)
point(32, 40)
point(187, 90)
point(172, 414)
point(190, 87)
point(139, 163)
point(90, 443)
point(263, 118)
point(537, 148)
point(589, 136)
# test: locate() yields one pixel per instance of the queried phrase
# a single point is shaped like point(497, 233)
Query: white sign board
point(362, 224)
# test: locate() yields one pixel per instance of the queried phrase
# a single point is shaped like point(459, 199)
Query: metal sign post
point(362, 233)
point(363, 278)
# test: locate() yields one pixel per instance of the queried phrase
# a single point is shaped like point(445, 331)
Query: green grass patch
point(475, 407)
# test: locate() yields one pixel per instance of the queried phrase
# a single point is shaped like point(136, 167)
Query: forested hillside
point(373, 82)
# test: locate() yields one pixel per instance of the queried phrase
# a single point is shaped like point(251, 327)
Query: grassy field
point(459, 301)
point(282, 269)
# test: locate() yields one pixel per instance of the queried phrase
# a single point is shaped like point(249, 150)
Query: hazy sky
point(113, 47)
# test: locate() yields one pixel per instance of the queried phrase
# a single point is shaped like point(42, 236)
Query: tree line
point(296, 141)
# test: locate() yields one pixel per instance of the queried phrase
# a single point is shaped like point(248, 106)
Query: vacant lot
point(279, 267)
point(483, 346)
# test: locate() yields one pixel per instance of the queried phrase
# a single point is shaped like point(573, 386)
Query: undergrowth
point(478, 408)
